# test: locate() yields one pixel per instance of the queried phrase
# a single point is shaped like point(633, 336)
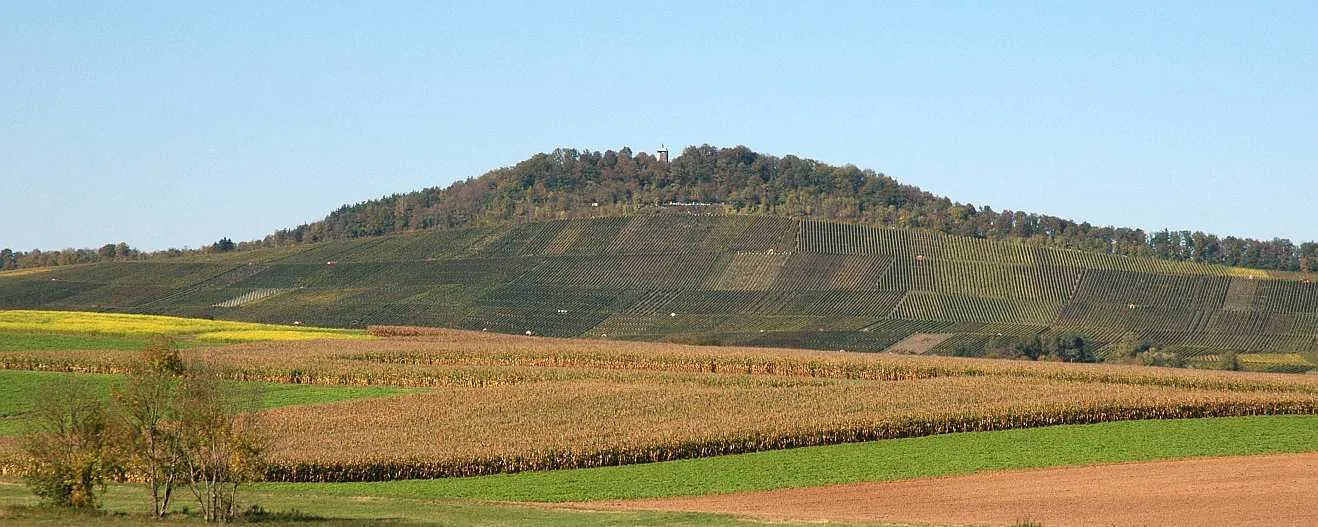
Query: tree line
point(110, 252)
point(568, 183)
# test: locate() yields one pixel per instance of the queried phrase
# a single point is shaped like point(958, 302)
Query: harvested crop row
point(467, 358)
point(476, 431)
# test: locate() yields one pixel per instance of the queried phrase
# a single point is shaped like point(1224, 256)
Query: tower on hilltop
point(663, 154)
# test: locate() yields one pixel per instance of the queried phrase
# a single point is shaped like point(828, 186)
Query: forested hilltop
point(569, 183)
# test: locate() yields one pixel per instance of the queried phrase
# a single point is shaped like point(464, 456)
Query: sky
point(173, 124)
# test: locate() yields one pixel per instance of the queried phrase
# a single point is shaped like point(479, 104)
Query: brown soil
point(919, 343)
point(1237, 491)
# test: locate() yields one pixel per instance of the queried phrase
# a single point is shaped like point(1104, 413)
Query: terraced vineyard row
point(642, 271)
point(1234, 341)
point(1196, 292)
point(709, 279)
point(976, 279)
point(953, 308)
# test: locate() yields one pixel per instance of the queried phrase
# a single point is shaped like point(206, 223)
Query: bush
point(161, 355)
point(967, 349)
point(70, 450)
point(1229, 360)
point(1072, 347)
point(1167, 357)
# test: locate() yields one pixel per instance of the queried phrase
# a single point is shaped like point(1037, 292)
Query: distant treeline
point(569, 183)
point(110, 252)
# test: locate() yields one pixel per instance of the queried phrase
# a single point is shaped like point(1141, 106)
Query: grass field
point(124, 504)
point(19, 390)
point(38, 341)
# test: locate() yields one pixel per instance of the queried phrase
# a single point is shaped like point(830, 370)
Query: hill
point(686, 273)
point(570, 184)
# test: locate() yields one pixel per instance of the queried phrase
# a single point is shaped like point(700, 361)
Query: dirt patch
point(1239, 491)
point(919, 343)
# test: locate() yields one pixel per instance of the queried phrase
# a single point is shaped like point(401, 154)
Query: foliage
point(223, 246)
point(1014, 347)
point(1071, 347)
point(70, 451)
point(1230, 361)
point(170, 425)
point(151, 435)
point(1170, 356)
point(221, 445)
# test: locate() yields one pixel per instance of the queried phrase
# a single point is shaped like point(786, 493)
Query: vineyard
point(714, 279)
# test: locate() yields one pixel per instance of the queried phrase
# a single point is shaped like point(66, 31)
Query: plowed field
point(1237, 491)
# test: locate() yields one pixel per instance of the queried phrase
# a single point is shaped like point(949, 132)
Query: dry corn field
point(503, 403)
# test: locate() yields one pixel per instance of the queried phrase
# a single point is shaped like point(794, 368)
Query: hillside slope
point(569, 184)
point(572, 184)
point(708, 278)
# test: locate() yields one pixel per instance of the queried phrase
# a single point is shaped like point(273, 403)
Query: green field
point(19, 390)
point(737, 280)
point(943, 455)
point(449, 501)
point(124, 505)
point(36, 341)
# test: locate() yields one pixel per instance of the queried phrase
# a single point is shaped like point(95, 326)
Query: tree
point(150, 432)
point(224, 245)
point(1170, 356)
point(1229, 360)
point(8, 260)
point(222, 446)
point(107, 251)
point(170, 425)
point(1072, 347)
point(1129, 346)
point(70, 448)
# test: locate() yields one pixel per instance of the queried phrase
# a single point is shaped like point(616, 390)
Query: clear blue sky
point(175, 123)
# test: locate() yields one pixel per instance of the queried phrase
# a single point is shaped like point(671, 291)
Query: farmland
point(732, 280)
point(490, 403)
point(408, 415)
point(53, 324)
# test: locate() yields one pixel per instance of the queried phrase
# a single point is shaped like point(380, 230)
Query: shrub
point(69, 449)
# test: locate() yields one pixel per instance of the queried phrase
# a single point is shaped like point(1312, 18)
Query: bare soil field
point(1237, 491)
